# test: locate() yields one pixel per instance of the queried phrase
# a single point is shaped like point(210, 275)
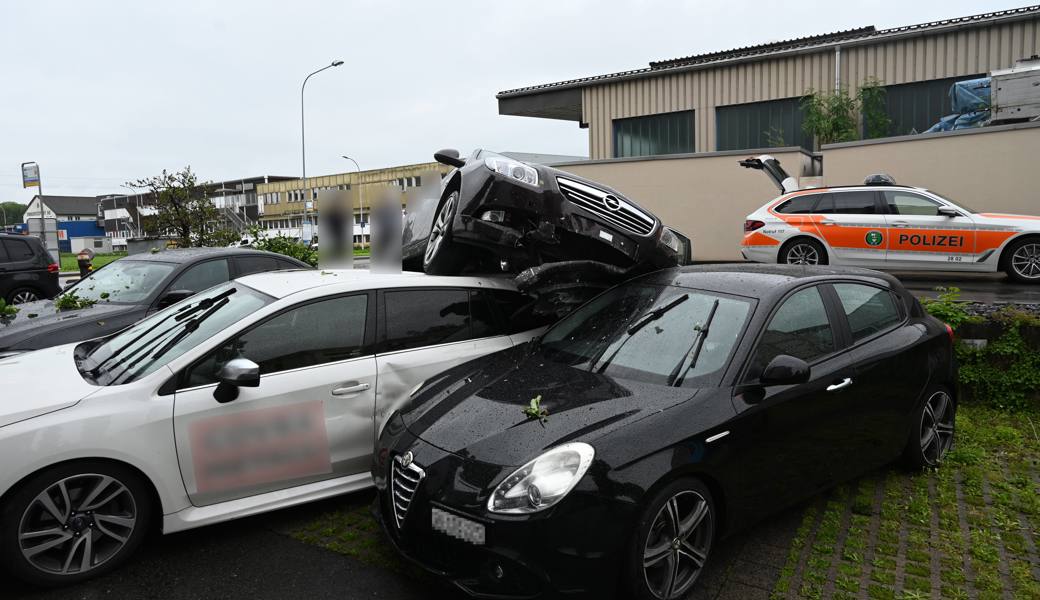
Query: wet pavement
point(991, 288)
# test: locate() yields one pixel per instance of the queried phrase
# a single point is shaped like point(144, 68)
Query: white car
point(254, 395)
point(882, 225)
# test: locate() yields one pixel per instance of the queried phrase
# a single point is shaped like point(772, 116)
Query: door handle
point(350, 389)
point(827, 222)
point(899, 224)
point(837, 386)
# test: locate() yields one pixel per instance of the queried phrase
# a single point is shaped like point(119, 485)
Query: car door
point(853, 224)
point(887, 375)
point(6, 273)
point(920, 237)
point(309, 420)
point(424, 331)
point(791, 430)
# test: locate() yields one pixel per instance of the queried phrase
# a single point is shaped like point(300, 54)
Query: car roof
point(762, 280)
point(285, 283)
point(873, 187)
point(183, 255)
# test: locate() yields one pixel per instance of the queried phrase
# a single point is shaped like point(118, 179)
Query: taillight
point(53, 268)
point(751, 225)
point(949, 331)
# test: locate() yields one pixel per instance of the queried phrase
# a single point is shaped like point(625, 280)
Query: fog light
point(534, 496)
point(494, 216)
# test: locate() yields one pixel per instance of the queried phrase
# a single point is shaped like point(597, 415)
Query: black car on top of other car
point(126, 290)
point(497, 214)
point(27, 270)
point(612, 453)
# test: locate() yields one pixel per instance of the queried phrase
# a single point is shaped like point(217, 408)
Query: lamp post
point(303, 144)
point(361, 201)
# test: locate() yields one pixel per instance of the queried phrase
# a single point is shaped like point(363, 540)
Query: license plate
point(458, 527)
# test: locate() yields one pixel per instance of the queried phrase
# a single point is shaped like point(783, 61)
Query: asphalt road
point(976, 287)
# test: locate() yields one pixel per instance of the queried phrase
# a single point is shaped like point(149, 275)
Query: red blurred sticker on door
point(255, 447)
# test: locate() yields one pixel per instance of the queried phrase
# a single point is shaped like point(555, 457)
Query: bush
point(281, 244)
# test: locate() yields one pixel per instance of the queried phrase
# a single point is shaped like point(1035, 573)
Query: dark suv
point(27, 270)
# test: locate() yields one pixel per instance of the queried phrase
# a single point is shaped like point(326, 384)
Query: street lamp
point(303, 143)
point(361, 201)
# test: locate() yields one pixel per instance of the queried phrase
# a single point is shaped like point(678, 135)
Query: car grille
point(405, 477)
point(608, 207)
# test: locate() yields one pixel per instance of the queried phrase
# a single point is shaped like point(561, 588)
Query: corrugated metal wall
point(957, 53)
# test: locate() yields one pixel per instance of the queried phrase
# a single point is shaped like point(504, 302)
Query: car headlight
point(513, 169)
point(671, 240)
point(542, 482)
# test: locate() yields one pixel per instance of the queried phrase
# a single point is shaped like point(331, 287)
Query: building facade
point(751, 97)
point(66, 218)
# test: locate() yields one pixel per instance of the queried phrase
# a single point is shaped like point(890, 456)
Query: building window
point(769, 124)
point(668, 133)
point(915, 107)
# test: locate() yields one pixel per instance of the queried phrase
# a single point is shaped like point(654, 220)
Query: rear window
point(799, 205)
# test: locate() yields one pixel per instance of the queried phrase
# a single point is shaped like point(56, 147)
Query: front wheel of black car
point(932, 429)
point(672, 541)
point(441, 256)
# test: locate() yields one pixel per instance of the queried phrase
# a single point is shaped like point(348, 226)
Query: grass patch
point(69, 263)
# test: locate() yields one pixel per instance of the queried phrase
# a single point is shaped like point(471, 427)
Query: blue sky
point(100, 93)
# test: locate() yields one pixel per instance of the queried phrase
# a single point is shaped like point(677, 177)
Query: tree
point(832, 117)
point(182, 207)
point(13, 212)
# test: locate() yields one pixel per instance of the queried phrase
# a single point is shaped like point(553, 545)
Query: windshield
point(157, 340)
point(123, 281)
point(957, 204)
point(655, 334)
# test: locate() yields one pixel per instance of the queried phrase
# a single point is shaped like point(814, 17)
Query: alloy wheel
point(803, 254)
point(677, 545)
point(441, 225)
point(77, 523)
point(23, 296)
point(937, 427)
point(1026, 261)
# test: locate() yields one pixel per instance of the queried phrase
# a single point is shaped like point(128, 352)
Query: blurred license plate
point(458, 527)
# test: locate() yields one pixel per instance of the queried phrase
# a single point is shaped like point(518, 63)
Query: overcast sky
point(100, 93)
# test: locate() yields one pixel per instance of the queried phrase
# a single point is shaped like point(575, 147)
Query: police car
point(884, 225)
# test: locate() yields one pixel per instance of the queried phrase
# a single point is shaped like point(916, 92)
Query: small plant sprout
point(72, 301)
point(7, 311)
point(535, 410)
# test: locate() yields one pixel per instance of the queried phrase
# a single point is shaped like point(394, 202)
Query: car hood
point(1025, 222)
point(477, 410)
point(36, 383)
point(42, 319)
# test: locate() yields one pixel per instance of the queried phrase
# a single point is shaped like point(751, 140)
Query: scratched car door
point(309, 420)
point(919, 236)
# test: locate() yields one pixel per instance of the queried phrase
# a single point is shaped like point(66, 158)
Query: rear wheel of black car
point(672, 541)
point(442, 257)
point(803, 251)
point(23, 295)
point(932, 430)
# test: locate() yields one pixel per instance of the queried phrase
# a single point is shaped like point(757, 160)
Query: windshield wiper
point(694, 352)
point(650, 317)
point(189, 327)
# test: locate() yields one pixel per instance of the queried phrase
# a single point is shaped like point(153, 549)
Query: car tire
point(932, 429)
point(442, 256)
point(1023, 261)
point(97, 507)
point(23, 295)
point(802, 251)
point(677, 526)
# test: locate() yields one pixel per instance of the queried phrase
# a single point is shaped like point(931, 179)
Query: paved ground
point(975, 287)
point(256, 559)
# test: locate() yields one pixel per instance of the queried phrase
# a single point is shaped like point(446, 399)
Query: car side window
point(484, 323)
point(416, 318)
point(869, 309)
point(246, 265)
point(17, 250)
point(3, 254)
point(202, 276)
point(312, 334)
point(520, 312)
point(905, 203)
point(860, 202)
point(799, 205)
point(800, 328)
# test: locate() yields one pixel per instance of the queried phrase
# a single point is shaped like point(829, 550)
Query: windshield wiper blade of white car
point(694, 352)
point(650, 317)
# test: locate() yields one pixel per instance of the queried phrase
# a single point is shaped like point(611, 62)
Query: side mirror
point(450, 157)
point(173, 297)
point(236, 373)
point(785, 370)
point(948, 211)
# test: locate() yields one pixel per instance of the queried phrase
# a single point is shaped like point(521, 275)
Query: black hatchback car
point(612, 453)
point(126, 290)
point(27, 270)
